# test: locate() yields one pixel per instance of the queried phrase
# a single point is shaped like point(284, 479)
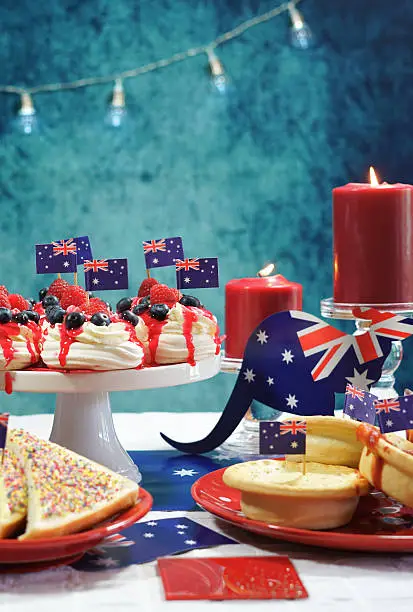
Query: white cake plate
point(83, 417)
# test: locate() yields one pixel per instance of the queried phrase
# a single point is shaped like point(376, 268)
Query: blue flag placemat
point(169, 475)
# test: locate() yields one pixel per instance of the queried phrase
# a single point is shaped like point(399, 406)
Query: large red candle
point(373, 243)
point(250, 300)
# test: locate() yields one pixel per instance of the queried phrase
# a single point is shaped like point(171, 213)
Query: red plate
point(380, 523)
point(51, 549)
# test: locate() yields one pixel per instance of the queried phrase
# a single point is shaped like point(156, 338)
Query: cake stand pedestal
point(383, 388)
point(83, 418)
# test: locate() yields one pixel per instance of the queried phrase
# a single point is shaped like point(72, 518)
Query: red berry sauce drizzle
point(33, 344)
point(67, 337)
point(191, 316)
point(6, 331)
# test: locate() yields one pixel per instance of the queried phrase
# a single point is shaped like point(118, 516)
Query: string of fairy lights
point(27, 122)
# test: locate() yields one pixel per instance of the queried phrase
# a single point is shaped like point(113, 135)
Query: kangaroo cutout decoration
point(295, 362)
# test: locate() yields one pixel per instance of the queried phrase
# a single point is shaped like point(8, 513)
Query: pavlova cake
point(20, 333)
point(176, 328)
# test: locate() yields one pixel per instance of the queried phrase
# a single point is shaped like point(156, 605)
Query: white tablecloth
point(336, 581)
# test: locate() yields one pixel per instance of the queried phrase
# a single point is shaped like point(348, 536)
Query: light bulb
point(300, 34)
point(26, 122)
point(218, 77)
point(116, 114)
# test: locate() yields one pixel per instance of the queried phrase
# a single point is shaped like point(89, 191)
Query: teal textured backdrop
point(246, 177)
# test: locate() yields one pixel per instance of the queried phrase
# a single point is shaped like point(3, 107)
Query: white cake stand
point(83, 417)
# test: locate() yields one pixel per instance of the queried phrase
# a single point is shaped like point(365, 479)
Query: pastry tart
point(278, 492)
point(387, 463)
point(331, 440)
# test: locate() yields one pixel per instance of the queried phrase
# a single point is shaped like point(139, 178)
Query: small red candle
point(248, 301)
point(373, 243)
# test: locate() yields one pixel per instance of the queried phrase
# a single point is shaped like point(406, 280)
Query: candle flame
point(373, 177)
point(266, 270)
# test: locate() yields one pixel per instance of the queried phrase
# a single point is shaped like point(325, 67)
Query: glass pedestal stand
point(383, 388)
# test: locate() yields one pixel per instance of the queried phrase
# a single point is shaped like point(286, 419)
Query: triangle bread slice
point(67, 493)
point(13, 495)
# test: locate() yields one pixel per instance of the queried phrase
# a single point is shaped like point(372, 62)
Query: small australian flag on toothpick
point(283, 437)
point(4, 422)
point(394, 414)
point(359, 404)
point(106, 274)
point(162, 252)
point(197, 273)
point(56, 257)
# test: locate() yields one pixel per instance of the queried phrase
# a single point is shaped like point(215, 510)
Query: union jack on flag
point(187, 264)
point(4, 422)
point(162, 252)
point(322, 337)
point(64, 247)
point(387, 405)
point(283, 437)
point(95, 265)
point(354, 392)
point(154, 245)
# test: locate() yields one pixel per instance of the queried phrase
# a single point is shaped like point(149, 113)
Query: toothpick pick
point(75, 278)
point(59, 275)
point(304, 465)
point(148, 274)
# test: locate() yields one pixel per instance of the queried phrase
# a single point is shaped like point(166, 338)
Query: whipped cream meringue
point(19, 345)
point(92, 347)
point(187, 334)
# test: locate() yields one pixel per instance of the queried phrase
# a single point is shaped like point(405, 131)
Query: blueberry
point(190, 300)
point(33, 316)
point(21, 317)
point(100, 319)
point(74, 320)
point(56, 315)
point(109, 305)
point(5, 315)
point(146, 300)
point(43, 293)
point(50, 300)
point(31, 301)
point(124, 304)
point(159, 311)
point(130, 316)
point(90, 294)
point(29, 304)
point(140, 308)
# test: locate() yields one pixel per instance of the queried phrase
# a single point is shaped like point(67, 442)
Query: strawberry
point(4, 301)
point(74, 295)
point(17, 301)
point(146, 286)
point(162, 294)
point(96, 305)
point(3, 289)
point(177, 294)
point(57, 287)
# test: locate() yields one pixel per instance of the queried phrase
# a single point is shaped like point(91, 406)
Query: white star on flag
point(291, 401)
point(152, 523)
point(270, 381)
point(262, 337)
point(287, 356)
point(389, 423)
point(66, 264)
point(183, 472)
point(148, 535)
point(95, 281)
point(249, 375)
point(181, 526)
point(294, 444)
point(351, 407)
point(181, 532)
point(187, 279)
point(190, 542)
point(360, 380)
point(155, 261)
